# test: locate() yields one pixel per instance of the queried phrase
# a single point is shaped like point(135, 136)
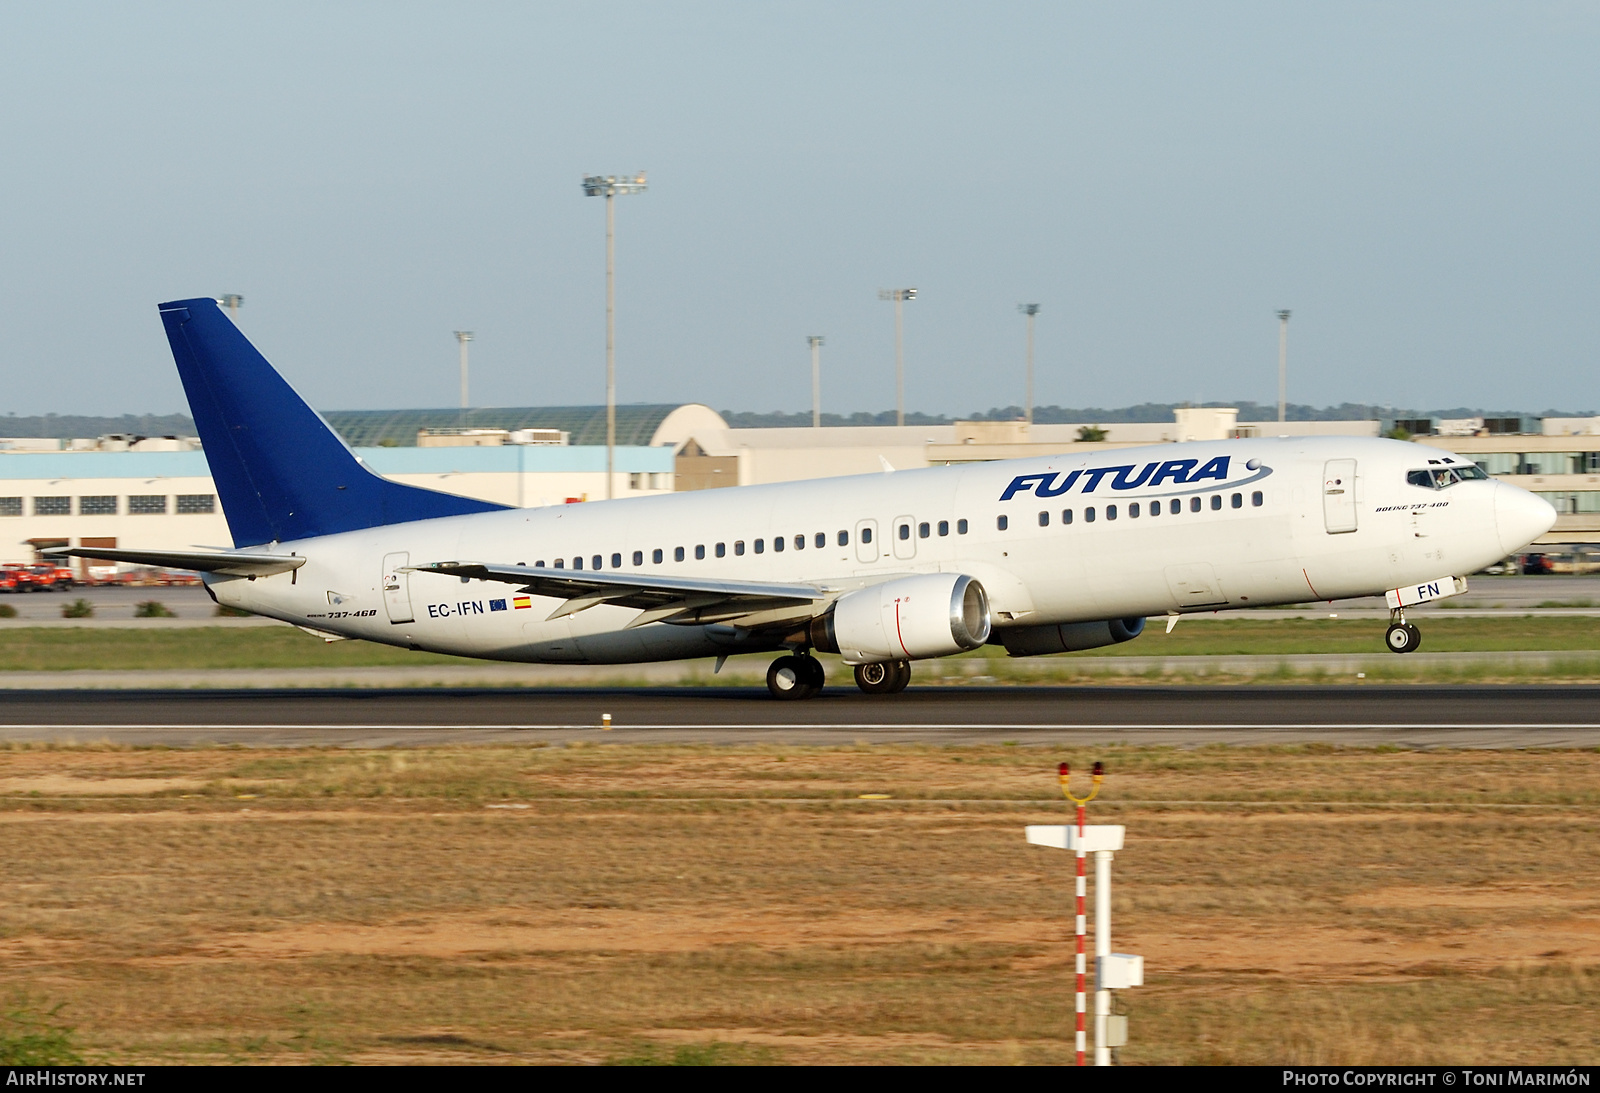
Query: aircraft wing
point(659, 598)
point(229, 564)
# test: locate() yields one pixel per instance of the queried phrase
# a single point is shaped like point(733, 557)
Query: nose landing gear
point(796, 676)
point(1402, 637)
point(884, 678)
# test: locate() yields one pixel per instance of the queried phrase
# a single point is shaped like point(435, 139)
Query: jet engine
point(1068, 637)
point(933, 615)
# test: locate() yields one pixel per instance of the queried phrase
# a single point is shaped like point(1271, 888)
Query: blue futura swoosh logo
point(1172, 473)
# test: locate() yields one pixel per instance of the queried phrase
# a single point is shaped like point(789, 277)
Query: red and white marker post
point(1113, 971)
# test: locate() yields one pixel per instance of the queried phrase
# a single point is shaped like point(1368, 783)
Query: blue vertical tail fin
point(280, 471)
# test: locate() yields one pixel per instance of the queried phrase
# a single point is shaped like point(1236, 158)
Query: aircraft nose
point(1520, 517)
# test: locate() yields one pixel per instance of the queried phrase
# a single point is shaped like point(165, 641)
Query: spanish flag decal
point(519, 602)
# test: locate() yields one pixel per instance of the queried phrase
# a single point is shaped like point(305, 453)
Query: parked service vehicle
point(23, 577)
point(52, 578)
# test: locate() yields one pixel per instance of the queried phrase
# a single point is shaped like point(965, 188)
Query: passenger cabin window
point(1237, 500)
point(1256, 499)
point(655, 556)
point(561, 563)
point(1175, 506)
point(1002, 522)
point(1044, 519)
point(799, 542)
point(1155, 508)
point(944, 527)
point(761, 546)
point(1133, 510)
point(738, 548)
point(777, 545)
point(539, 564)
point(961, 527)
point(638, 557)
point(844, 538)
point(577, 563)
point(822, 539)
point(1088, 515)
point(1216, 501)
point(722, 550)
point(594, 563)
point(700, 553)
point(904, 531)
point(922, 530)
point(1066, 516)
point(1194, 504)
point(866, 535)
point(677, 554)
point(1111, 512)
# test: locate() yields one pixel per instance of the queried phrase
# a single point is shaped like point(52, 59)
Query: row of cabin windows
point(759, 546)
point(1136, 509)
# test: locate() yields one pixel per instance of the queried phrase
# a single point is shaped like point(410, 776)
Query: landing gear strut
point(1402, 637)
point(796, 676)
point(884, 678)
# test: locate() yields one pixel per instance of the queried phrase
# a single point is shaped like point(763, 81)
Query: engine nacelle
point(1068, 637)
point(933, 615)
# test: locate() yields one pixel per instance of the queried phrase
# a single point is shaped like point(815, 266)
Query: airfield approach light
point(608, 187)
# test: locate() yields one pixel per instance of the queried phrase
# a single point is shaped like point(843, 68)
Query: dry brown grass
point(592, 904)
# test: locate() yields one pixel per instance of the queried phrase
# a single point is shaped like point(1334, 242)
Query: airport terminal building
point(157, 492)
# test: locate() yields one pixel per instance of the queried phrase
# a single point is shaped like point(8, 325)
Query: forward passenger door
point(1339, 496)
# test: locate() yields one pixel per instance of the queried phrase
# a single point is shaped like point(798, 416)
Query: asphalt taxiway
point(1413, 716)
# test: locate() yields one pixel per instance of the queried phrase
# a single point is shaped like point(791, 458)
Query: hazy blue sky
point(1417, 181)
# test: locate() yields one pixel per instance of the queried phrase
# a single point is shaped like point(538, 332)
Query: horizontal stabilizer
point(230, 564)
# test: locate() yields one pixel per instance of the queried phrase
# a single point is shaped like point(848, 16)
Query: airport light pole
point(815, 342)
point(1283, 364)
point(1030, 310)
point(899, 296)
point(232, 301)
point(463, 337)
point(609, 187)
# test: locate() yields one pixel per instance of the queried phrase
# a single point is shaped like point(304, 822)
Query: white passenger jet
point(1043, 555)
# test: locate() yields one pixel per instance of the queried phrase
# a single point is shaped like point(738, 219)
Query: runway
point(1412, 716)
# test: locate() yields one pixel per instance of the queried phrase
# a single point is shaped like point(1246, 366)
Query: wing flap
point(659, 598)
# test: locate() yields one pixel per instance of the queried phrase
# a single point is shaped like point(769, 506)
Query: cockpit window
point(1438, 478)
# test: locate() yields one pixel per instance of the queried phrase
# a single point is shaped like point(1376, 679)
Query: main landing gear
point(1402, 637)
point(798, 675)
point(886, 678)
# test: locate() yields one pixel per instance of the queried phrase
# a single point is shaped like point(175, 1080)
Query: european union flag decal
point(497, 605)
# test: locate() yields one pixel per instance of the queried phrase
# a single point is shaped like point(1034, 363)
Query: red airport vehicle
point(53, 577)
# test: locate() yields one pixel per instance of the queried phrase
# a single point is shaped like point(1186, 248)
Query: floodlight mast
point(1283, 364)
point(462, 338)
point(609, 187)
point(899, 296)
point(815, 342)
point(1030, 310)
